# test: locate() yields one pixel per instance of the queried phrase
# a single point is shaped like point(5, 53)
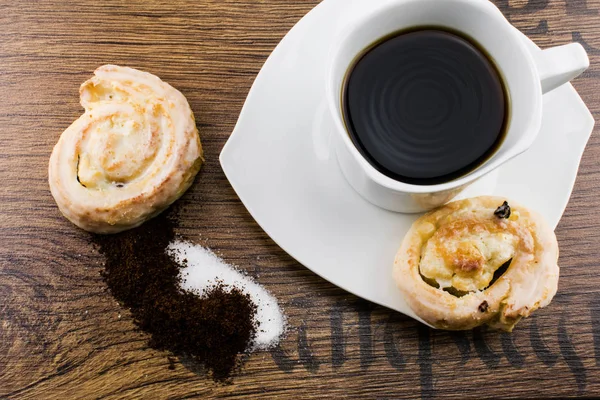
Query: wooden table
point(63, 336)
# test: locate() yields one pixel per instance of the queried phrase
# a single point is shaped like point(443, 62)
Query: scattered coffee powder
point(212, 329)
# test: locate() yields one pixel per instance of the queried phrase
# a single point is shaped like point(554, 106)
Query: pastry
point(484, 260)
point(134, 151)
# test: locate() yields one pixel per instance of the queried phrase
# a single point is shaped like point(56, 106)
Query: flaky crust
point(134, 151)
point(459, 247)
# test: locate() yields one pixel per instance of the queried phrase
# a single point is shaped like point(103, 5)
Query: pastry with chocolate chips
point(485, 260)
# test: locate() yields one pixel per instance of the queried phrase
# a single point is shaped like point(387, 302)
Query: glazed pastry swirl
point(462, 266)
point(134, 151)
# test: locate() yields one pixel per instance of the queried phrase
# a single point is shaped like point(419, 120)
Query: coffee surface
point(425, 106)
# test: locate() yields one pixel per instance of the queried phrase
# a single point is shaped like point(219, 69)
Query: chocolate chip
point(503, 211)
point(483, 307)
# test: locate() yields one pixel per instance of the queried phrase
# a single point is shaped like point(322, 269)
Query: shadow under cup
point(477, 20)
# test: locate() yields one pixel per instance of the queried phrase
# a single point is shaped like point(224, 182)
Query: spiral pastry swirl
point(478, 261)
point(134, 151)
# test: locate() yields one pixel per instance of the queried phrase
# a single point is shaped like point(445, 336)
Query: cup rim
point(525, 141)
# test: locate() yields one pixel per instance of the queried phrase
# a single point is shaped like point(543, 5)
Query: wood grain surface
point(63, 336)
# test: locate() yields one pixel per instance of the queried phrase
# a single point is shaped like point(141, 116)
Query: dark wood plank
point(63, 336)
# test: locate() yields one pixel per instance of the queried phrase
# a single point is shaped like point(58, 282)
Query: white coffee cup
point(527, 77)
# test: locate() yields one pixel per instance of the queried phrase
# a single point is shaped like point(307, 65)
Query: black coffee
point(425, 106)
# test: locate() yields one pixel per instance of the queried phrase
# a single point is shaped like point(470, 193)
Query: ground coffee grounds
point(213, 329)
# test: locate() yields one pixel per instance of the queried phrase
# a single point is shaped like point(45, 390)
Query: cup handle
point(558, 65)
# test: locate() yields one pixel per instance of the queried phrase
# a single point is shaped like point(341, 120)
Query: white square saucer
point(280, 163)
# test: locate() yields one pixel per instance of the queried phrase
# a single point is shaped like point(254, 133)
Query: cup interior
point(478, 20)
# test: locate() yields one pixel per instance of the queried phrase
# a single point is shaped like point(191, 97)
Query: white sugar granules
point(203, 269)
